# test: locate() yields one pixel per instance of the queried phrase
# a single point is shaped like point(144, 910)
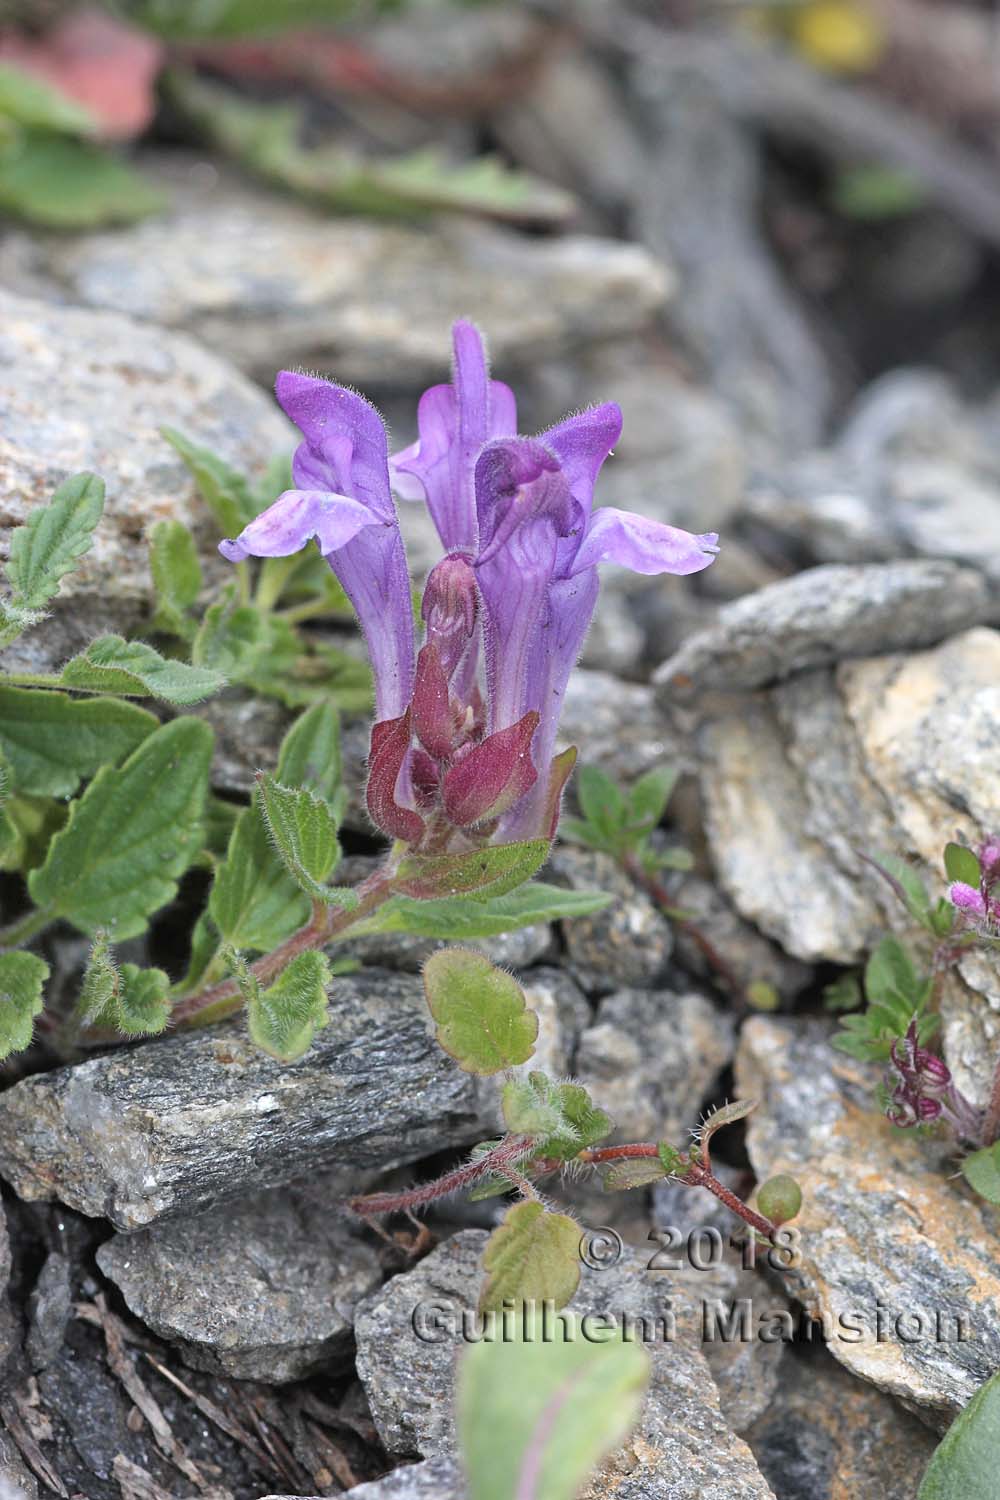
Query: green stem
point(311, 610)
point(19, 932)
point(272, 578)
point(325, 926)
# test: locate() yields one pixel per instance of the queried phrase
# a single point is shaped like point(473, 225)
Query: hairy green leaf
point(66, 184)
point(22, 976)
point(458, 917)
point(231, 638)
point(964, 1464)
point(630, 1172)
point(143, 1001)
point(298, 673)
point(283, 1019)
point(113, 665)
point(961, 864)
point(648, 796)
point(981, 1171)
point(482, 1019)
point(131, 835)
point(310, 752)
point(99, 990)
point(304, 832)
point(52, 741)
point(225, 491)
point(561, 1115)
point(534, 1256)
point(53, 539)
point(8, 828)
point(254, 902)
point(483, 873)
point(536, 1415)
point(601, 801)
point(177, 578)
point(14, 621)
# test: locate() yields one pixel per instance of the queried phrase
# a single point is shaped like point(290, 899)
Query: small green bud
point(763, 996)
point(673, 1161)
point(779, 1198)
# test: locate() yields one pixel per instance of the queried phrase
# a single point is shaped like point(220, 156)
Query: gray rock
point(91, 390)
point(681, 1448)
point(178, 1124)
point(896, 1256)
point(892, 753)
point(619, 726)
point(563, 1015)
point(16, 1480)
point(824, 1434)
point(748, 957)
point(437, 1479)
point(629, 942)
point(261, 1289)
point(268, 282)
point(651, 1057)
point(49, 1308)
point(825, 615)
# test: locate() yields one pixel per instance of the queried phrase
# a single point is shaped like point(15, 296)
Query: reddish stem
point(991, 1122)
point(658, 892)
point(696, 1176)
point(498, 1162)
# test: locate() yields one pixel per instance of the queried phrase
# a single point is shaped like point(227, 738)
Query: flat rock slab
point(825, 615)
point(894, 754)
point(261, 1289)
point(90, 390)
point(177, 1125)
point(899, 1258)
point(681, 1448)
point(268, 282)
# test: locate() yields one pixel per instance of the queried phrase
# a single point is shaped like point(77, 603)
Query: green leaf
point(283, 1020)
point(225, 491)
point(204, 947)
point(536, 1415)
point(601, 801)
point(961, 864)
point(493, 870)
point(14, 621)
point(113, 665)
point(143, 1001)
point(28, 100)
point(254, 902)
point(534, 1256)
point(53, 539)
point(8, 828)
point(843, 993)
point(130, 836)
point(890, 976)
point(630, 1172)
point(964, 1464)
point(481, 1015)
point(298, 673)
point(310, 752)
point(177, 578)
point(981, 1171)
point(907, 883)
point(180, 20)
point(872, 192)
point(21, 978)
point(99, 990)
point(648, 797)
point(35, 821)
point(304, 832)
point(52, 741)
point(231, 638)
point(459, 918)
point(561, 1115)
point(65, 184)
point(726, 1114)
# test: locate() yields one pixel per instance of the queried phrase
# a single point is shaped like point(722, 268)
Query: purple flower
point(454, 421)
point(921, 1089)
point(463, 747)
point(343, 499)
point(967, 898)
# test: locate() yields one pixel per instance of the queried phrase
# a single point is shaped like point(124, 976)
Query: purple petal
point(582, 443)
point(294, 519)
point(967, 898)
point(642, 545)
point(345, 448)
point(455, 421)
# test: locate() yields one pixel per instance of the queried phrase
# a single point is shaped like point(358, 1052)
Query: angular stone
point(81, 389)
point(628, 942)
point(748, 957)
point(896, 1255)
point(178, 1124)
point(826, 615)
point(261, 1289)
point(368, 301)
point(651, 1057)
point(437, 1479)
point(681, 1448)
point(824, 1434)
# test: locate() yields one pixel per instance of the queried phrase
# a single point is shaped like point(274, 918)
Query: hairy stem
point(696, 1176)
point(325, 925)
point(502, 1161)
